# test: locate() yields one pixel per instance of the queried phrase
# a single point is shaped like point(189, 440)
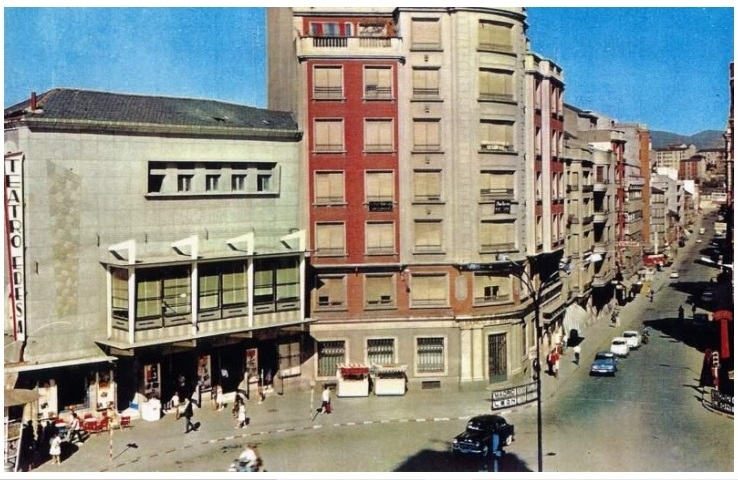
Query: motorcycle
point(645, 334)
point(247, 461)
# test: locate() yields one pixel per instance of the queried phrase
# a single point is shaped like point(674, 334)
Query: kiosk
point(389, 379)
point(352, 380)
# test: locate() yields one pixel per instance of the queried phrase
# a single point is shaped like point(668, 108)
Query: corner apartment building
point(151, 238)
point(422, 204)
point(672, 155)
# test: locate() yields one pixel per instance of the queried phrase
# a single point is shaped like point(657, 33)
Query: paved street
point(583, 420)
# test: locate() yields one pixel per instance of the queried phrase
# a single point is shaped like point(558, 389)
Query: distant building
point(672, 155)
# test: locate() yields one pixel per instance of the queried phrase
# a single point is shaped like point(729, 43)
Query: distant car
point(604, 363)
point(632, 338)
point(619, 346)
point(702, 230)
point(699, 240)
point(476, 439)
point(708, 296)
point(674, 274)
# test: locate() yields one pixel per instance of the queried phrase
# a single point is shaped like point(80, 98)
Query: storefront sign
point(502, 206)
point(14, 238)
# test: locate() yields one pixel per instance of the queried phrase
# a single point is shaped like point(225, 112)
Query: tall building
point(154, 245)
point(430, 216)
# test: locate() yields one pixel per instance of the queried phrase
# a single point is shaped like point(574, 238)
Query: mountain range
point(702, 140)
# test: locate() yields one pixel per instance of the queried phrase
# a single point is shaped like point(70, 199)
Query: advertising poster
point(204, 376)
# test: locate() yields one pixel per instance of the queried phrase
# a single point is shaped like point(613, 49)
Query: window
point(331, 292)
point(378, 135)
point(209, 288)
point(377, 82)
point(491, 288)
point(380, 186)
point(380, 238)
point(496, 235)
point(176, 299)
point(539, 140)
point(235, 290)
point(425, 83)
point(120, 293)
point(428, 236)
point(289, 357)
point(430, 355)
point(184, 183)
point(497, 357)
point(238, 183)
point(264, 291)
point(496, 85)
point(380, 351)
point(330, 239)
point(330, 29)
point(496, 135)
point(328, 82)
point(495, 36)
point(426, 186)
point(328, 135)
point(331, 354)
point(379, 291)
point(288, 281)
point(264, 182)
point(425, 34)
point(329, 188)
point(428, 290)
point(496, 185)
point(211, 182)
point(163, 296)
point(426, 135)
point(148, 296)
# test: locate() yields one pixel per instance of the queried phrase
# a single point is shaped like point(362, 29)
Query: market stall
point(353, 380)
point(389, 379)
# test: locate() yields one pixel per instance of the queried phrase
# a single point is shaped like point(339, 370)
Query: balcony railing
point(496, 97)
point(487, 194)
point(426, 92)
point(496, 47)
point(342, 46)
point(489, 146)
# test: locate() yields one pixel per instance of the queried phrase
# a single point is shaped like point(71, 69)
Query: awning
point(353, 369)
point(575, 318)
point(25, 367)
point(16, 396)
point(379, 369)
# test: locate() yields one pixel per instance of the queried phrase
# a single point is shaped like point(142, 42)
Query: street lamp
point(527, 280)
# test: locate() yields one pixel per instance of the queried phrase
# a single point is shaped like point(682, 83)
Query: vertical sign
point(14, 239)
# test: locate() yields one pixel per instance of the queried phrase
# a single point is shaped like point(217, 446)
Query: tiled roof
point(94, 106)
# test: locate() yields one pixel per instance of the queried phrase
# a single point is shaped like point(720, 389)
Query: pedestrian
point(555, 361)
point(219, 401)
point(241, 416)
point(577, 352)
point(325, 406)
point(175, 404)
point(55, 449)
point(536, 369)
point(680, 313)
point(75, 429)
point(188, 413)
point(650, 294)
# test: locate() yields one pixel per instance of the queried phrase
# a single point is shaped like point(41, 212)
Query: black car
point(477, 438)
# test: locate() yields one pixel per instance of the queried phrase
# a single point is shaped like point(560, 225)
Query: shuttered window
point(379, 290)
point(380, 186)
point(428, 236)
point(425, 83)
point(378, 135)
point(495, 36)
point(328, 82)
point(329, 188)
point(496, 184)
point(496, 135)
point(497, 234)
point(377, 82)
point(330, 239)
point(328, 135)
point(426, 135)
point(425, 34)
point(429, 290)
point(496, 85)
point(380, 238)
point(427, 186)
point(331, 291)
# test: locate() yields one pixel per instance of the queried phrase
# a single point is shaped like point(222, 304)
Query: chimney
point(33, 101)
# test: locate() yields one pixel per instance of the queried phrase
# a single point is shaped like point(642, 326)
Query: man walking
point(188, 414)
point(325, 406)
point(75, 429)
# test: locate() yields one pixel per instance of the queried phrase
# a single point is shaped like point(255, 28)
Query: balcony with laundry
point(365, 38)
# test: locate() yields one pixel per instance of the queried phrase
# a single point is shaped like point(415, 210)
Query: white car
point(619, 346)
point(632, 338)
point(674, 274)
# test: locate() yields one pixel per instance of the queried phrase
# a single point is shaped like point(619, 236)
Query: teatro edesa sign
point(15, 241)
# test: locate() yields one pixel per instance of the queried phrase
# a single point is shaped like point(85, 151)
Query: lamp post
point(526, 279)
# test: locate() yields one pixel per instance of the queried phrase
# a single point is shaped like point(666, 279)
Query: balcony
point(587, 188)
point(492, 194)
point(601, 217)
point(488, 146)
point(321, 47)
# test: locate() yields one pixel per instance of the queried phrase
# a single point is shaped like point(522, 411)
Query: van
point(702, 230)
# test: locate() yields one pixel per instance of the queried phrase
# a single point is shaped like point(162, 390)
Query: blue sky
point(665, 67)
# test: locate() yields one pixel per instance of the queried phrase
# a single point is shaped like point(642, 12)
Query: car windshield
point(629, 334)
point(618, 342)
point(602, 356)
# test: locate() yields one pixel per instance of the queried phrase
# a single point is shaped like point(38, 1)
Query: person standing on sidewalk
point(577, 352)
point(188, 413)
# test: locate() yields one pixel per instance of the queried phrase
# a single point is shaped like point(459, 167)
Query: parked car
point(674, 274)
point(476, 439)
point(619, 346)
point(632, 338)
point(604, 363)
